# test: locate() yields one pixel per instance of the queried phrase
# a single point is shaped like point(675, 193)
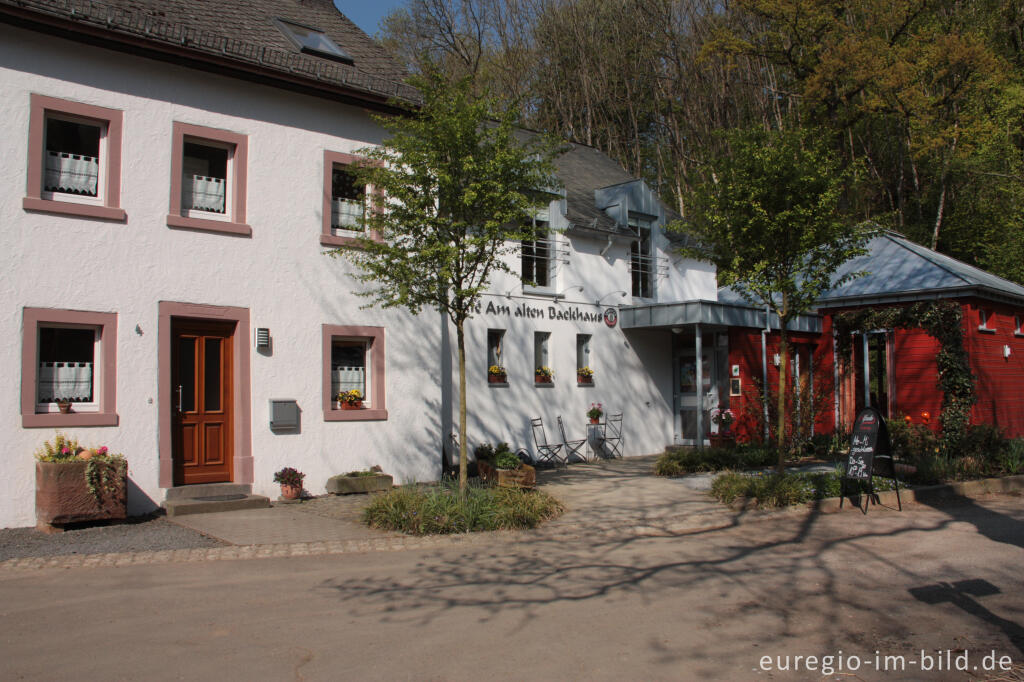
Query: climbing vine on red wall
point(941, 320)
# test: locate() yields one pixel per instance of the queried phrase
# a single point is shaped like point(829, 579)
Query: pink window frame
point(327, 237)
point(236, 225)
point(106, 415)
point(242, 465)
point(113, 119)
point(374, 336)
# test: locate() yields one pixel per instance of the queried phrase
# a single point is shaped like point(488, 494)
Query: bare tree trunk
point(460, 335)
point(938, 215)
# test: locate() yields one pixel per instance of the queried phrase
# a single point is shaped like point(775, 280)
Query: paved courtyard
point(641, 579)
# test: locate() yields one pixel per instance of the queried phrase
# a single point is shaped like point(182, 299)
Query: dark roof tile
point(242, 31)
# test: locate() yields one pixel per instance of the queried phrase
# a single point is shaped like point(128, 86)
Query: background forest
point(924, 98)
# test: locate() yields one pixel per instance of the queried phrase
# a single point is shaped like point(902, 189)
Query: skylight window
point(313, 41)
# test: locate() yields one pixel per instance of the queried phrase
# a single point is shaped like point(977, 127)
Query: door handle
point(179, 400)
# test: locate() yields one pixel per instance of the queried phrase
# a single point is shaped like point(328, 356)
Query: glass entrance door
point(714, 390)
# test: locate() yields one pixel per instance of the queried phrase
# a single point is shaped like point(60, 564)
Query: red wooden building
point(894, 369)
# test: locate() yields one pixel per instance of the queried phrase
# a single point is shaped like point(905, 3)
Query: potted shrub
point(500, 466)
point(351, 400)
point(595, 413)
point(544, 375)
point(76, 483)
point(584, 375)
point(724, 417)
point(371, 480)
point(291, 482)
point(496, 375)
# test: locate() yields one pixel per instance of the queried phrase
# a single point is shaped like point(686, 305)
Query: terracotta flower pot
point(291, 492)
point(358, 405)
point(540, 379)
point(580, 379)
point(64, 406)
point(595, 420)
point(496, 379)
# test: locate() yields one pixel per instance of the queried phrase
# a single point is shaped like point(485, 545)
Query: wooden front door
point(201, 401)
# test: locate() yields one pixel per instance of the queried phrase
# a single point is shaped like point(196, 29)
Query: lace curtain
point(348, 378)
point(71, 173)
point(203, 193)
point(345, 214)
point(65, 381)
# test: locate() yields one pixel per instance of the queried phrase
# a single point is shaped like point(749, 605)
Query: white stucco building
point(170, 181)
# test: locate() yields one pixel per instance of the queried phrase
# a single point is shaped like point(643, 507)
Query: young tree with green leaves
point(771, 218)
point(459, 186)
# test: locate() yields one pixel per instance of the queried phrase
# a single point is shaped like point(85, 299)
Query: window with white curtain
point(71, 160)
point(205, 181)
point(67, 359)
point(349, 367)
point(348, 201)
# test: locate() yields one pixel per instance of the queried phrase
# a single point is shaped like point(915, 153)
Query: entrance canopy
point(683, 313)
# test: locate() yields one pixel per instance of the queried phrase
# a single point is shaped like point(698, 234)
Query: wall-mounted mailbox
point(284, 414)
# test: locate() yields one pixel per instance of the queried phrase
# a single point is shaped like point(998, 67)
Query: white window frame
point(551, 244)
point(541, 354)
point(97, 369)
point(583, 350)
point(501, 343)
point(635, 223)
point(103, 161)
point(367, 193)
point(367, 363)
point(229, 181)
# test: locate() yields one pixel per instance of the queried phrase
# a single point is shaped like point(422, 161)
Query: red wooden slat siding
point(999, 381)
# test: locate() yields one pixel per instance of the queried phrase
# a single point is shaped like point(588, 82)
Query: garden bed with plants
point(441, 509)
point(767, 490)
point(693, 461)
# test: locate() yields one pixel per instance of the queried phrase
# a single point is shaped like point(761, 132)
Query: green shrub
point(490, 453)
point(1011, 461)
point(692, 460)
point(911, 442)
point(984, 441)
point(772, 490)
point(440, 509)
point(506, 460)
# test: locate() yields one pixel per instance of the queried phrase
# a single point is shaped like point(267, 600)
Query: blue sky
point(366, 15)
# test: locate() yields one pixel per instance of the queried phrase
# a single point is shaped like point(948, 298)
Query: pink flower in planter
point(102, 450)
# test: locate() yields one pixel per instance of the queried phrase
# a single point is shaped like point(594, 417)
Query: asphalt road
point(707, 604)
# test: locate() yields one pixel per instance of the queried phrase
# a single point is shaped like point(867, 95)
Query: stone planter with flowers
point(496, 375)
point(584, 376)
point(543, 375)
point(76, 483)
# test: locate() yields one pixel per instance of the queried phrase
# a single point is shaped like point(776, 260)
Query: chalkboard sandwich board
point(870, 454)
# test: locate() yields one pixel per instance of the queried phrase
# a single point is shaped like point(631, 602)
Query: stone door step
point(208, 498)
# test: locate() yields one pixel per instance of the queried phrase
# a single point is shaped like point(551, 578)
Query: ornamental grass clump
point(440, 509)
